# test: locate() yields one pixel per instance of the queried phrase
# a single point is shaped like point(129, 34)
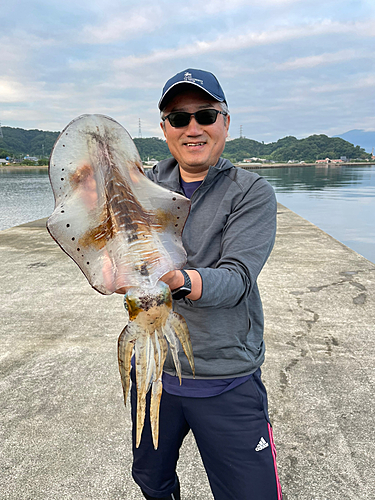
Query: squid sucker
point(124, 233)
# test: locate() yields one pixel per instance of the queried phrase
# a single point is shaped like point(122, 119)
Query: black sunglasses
point(204, 117)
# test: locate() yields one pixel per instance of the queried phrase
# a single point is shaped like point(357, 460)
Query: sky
point(287, 67)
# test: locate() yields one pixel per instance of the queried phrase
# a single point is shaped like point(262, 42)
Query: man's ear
point(227, 125)
point(162, 125)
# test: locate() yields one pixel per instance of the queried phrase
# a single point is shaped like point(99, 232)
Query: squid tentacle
point(125, 345)
point(178, 324)
point(173, 346)
point(160, 350)
point(145, 369)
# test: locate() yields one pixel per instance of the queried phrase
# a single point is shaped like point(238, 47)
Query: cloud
point(119, 25)
point(359, 82)
point(226, 43)
point(12, 91)
point(321, 59)
point(287, 66)
point(214, 7)
point(124, 26)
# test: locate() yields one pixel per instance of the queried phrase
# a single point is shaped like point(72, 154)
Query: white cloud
point(124, 26)
point(214, 7)
point(358, 83)
point(120, 25)
point(321, 59)
point(13, 91)
point(226, 43)
point(60, 60)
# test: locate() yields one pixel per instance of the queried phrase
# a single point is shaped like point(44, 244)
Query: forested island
point(18, 143)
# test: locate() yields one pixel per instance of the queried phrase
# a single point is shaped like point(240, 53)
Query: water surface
point(340, 200)
point(25, 195)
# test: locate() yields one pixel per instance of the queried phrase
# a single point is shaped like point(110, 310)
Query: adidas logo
point(262, 444)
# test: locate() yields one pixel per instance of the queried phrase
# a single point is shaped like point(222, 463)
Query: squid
point(124, 233)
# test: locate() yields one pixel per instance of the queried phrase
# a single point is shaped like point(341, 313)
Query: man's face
point(195, 147)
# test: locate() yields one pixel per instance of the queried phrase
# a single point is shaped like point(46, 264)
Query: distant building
point(254, 159)
point(150, 163)
point(328, 160)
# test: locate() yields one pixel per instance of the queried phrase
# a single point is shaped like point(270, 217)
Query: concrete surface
point(65, 433)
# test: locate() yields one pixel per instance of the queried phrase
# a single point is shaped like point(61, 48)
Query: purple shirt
point(189, 187)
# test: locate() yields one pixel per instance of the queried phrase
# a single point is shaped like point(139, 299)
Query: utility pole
point(1, 132)
point(139, 129)
point(240, 131)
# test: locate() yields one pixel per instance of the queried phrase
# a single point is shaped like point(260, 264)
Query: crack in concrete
point(284, 373)
point(360, 299)
point(330, 342)
point(348, 277)
point(36, 264)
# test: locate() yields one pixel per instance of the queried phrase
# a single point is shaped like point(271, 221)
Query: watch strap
point(185, 289)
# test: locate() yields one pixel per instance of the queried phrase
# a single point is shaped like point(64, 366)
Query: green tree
point(28, 162)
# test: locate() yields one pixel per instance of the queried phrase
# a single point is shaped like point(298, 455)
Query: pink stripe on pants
point(273, 448)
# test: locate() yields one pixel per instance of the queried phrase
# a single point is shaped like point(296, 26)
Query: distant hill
point(361, 138)
point(152, 148)
point(314, 147)
point(19, 142)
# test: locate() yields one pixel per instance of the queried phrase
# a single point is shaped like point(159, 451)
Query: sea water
point(338, 199)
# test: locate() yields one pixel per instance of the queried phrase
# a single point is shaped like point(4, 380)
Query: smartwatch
point(185, 289)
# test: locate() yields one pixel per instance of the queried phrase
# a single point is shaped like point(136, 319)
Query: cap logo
point(189, 78)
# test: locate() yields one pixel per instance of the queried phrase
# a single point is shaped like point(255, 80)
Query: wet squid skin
point(123, 231)
point(151, 324)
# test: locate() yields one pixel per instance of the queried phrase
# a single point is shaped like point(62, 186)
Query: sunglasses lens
point(203, 117)
point(179, 119)
point(206, 116)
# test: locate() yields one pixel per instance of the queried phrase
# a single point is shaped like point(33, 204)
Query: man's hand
point(175, 279)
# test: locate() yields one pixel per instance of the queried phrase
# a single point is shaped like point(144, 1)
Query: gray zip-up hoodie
point(228, 237)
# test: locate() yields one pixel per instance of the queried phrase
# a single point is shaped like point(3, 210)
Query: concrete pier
point(65, 433)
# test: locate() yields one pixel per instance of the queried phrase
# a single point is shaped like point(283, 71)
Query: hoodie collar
point(168, 173)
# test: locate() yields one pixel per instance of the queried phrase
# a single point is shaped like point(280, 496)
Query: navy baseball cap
point(197, 77)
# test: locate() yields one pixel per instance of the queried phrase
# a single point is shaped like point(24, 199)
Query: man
point(228, 237)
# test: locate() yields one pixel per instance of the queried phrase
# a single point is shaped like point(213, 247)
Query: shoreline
point(24, 167)
point(249, 166)
point(256, 166)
